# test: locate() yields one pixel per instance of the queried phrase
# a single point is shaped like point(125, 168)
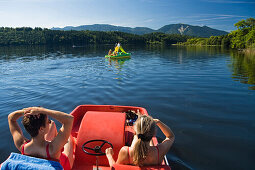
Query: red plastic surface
point(79, 112)
point(107, 126)
point(83, 132)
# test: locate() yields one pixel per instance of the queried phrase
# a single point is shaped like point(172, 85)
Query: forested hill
point(191, 30)
point(182, 29)
point(106, 27)
point(39, 36)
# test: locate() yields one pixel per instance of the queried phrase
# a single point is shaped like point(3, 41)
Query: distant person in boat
point(114, 53)
point(45, 141)
point(110, 52)
point(117, 44)
point(142, 152)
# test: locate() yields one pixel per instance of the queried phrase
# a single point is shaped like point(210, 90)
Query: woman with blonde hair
point(141, 152)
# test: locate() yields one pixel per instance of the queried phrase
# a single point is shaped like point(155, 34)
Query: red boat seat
point(107, 126)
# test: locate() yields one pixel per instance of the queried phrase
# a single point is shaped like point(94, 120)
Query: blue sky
point(218, 14)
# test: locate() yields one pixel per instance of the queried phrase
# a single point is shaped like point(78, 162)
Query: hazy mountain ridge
point(184, 29)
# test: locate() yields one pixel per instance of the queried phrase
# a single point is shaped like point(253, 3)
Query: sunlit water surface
point(206, 95)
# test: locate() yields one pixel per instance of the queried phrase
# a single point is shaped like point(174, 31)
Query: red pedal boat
point(97, 127)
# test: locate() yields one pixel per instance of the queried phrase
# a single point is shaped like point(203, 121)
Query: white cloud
point(209, 19)
point(149, 20)
point(230, 2)
point(204, 17)
point(220, 17)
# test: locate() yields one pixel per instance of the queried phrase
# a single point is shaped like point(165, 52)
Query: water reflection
point(185, 54)
point(243, 68)
point(30, 53)
point(212, 50)
point(118, 64)
point(55, 52)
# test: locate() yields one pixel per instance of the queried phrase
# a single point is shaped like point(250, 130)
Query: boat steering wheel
point(97, 148)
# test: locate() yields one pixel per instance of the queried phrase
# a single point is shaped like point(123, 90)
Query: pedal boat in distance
point(119, 56)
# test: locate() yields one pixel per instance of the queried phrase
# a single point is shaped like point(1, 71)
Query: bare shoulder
point(123, 155)
point(54, 153)
point(21, 144)
point(123, 151)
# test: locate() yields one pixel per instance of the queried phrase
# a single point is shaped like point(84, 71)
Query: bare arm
point(67, 122)
point(15, 130)
point(122, 157)
point(109, 153)
point(169, 140)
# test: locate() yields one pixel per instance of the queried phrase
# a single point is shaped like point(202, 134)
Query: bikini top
point(47, 152)
point(129, 157)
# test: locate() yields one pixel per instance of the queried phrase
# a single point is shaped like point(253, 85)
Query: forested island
point(39, 36)
point(242, 38)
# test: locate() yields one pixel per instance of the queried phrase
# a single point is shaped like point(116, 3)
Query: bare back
point(126, 156)
point(34, 150)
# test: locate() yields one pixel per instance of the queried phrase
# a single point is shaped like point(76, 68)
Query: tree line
point(243, 37)
point(40, 36)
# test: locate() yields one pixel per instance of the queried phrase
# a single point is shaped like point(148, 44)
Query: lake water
point(206, 95)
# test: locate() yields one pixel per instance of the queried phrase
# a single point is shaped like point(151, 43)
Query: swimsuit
point(129, 157)
point(63, 160)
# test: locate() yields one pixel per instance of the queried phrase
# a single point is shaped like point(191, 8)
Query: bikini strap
point(158, 154)
point(128, 156)
point(23, 147)
point(47, 151)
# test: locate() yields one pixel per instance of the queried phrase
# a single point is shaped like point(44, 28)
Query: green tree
point(243, 37)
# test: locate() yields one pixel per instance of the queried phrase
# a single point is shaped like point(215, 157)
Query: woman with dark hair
point(141, 152)
point(45, 141)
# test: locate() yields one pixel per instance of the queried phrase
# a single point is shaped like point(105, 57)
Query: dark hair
point(32, 123)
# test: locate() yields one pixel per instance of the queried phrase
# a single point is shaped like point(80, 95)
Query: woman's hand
point(109, 151)
point(32, 111)
point(156, 120)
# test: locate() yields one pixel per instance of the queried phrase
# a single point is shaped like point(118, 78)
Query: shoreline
point(249, 51)
point(198, 45)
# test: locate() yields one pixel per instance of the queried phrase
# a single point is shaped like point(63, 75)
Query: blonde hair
point(145, 128)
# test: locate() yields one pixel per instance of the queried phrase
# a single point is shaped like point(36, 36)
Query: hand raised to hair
point(32, 111)
point(156, 120)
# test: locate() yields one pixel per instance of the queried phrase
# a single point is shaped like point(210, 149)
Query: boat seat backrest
point(101, 125)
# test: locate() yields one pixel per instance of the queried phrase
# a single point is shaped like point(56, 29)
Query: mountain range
point(183, 29)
